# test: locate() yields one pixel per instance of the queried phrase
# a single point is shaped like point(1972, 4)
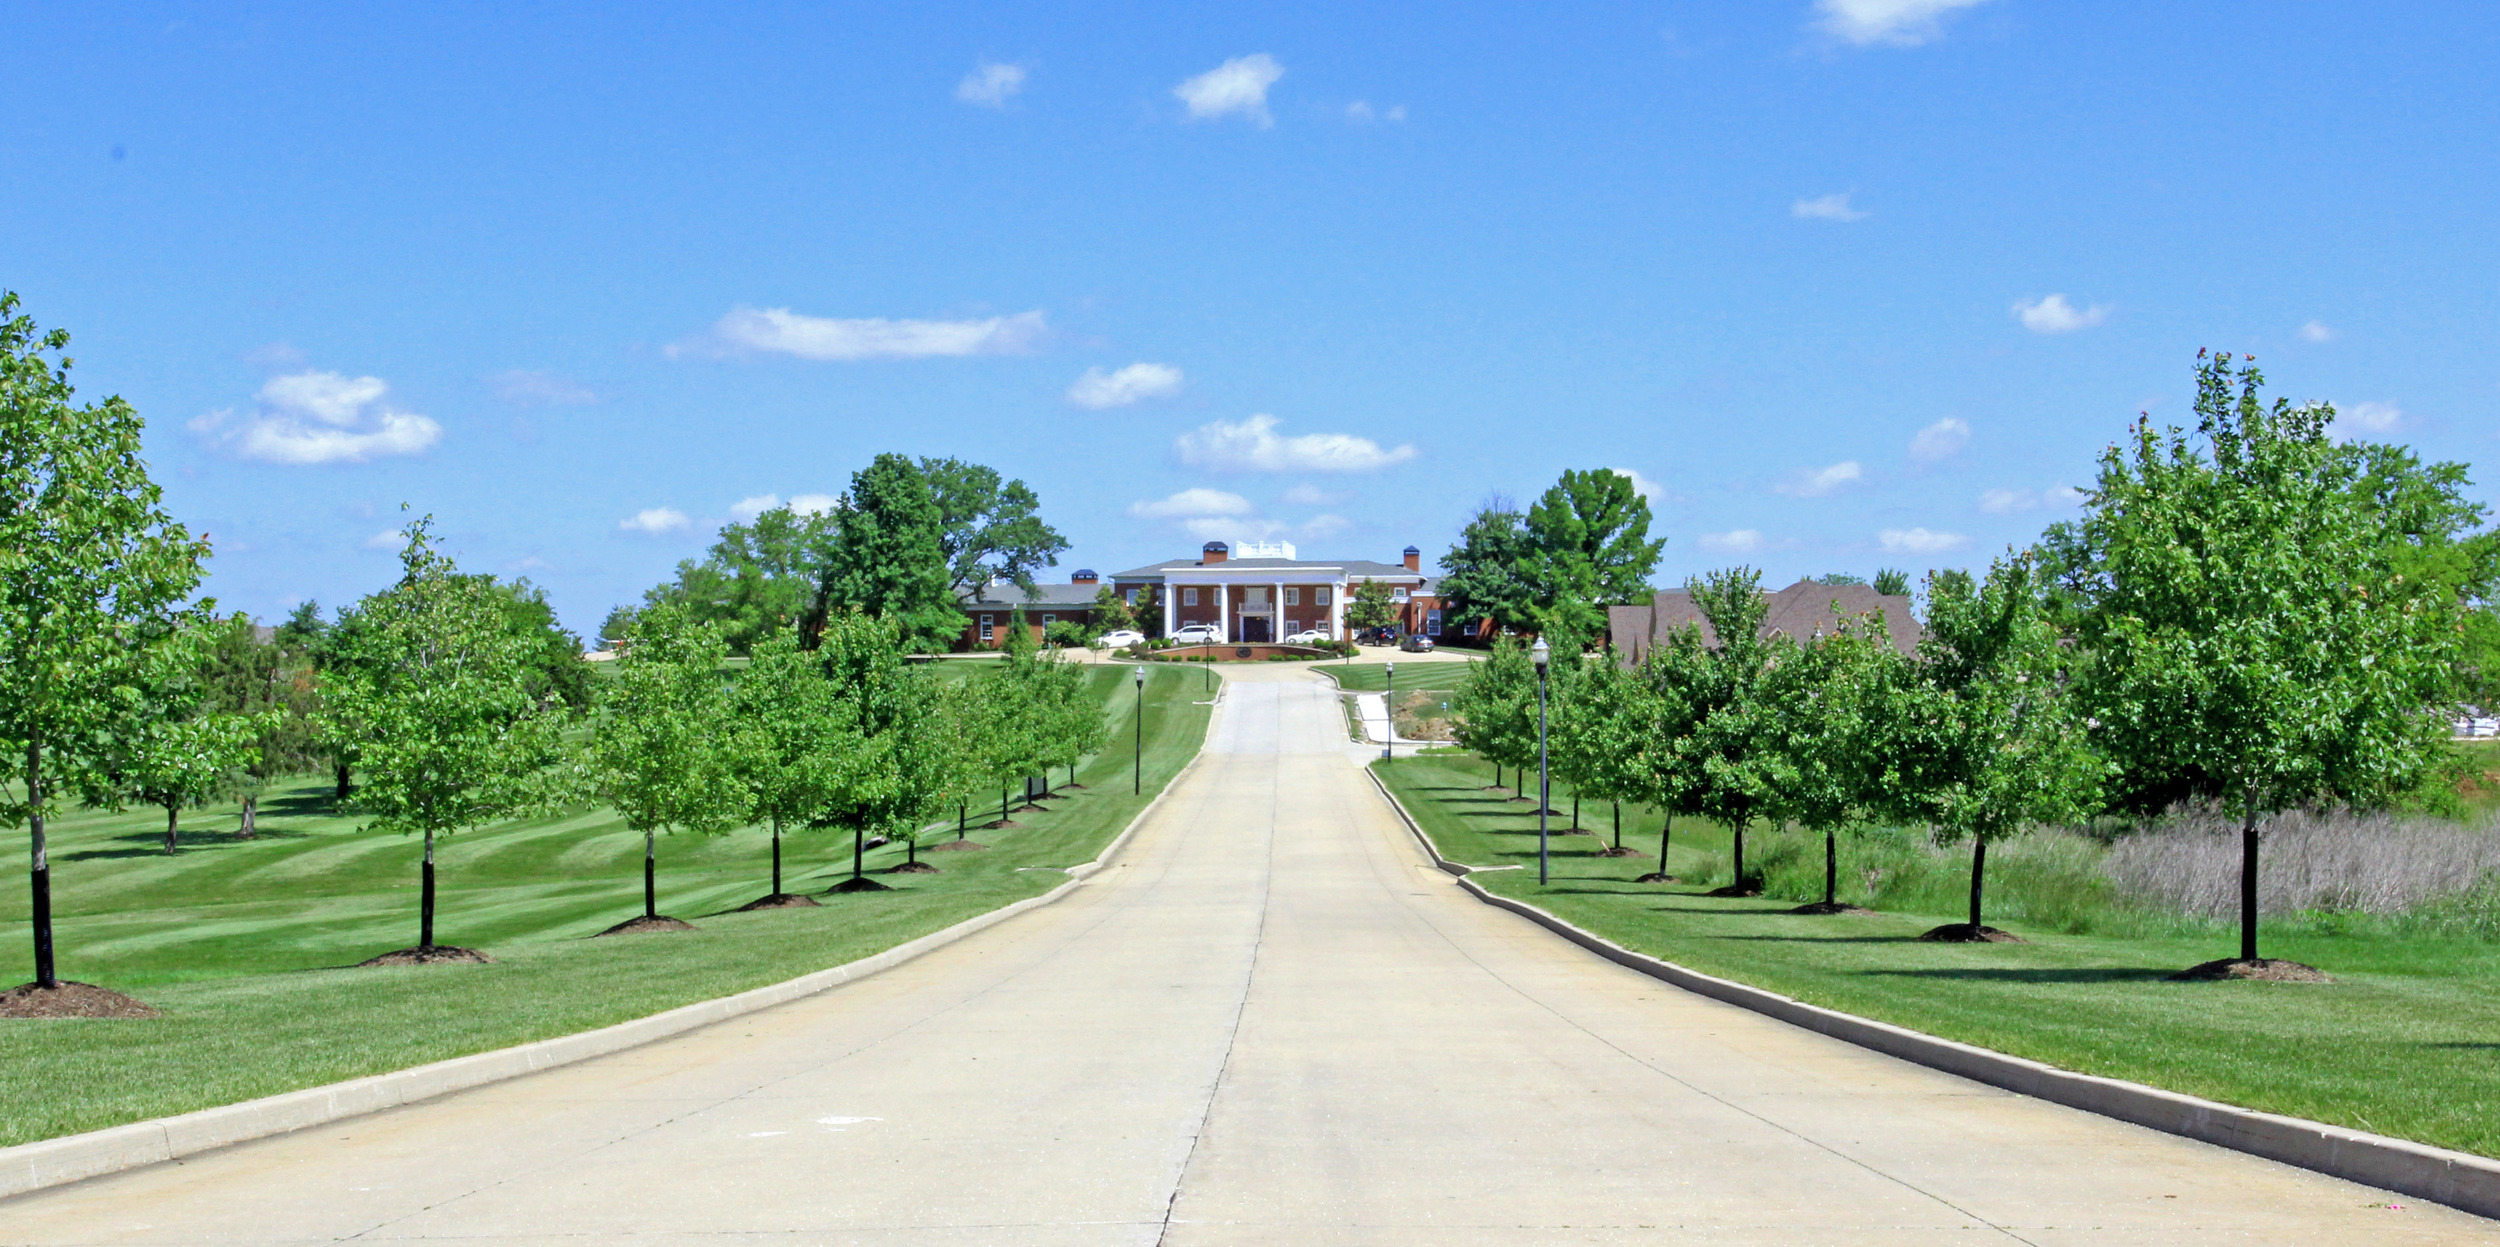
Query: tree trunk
point(1002, 803)
point(425, 895)
point(1740, 857)
point(859, 851)
point(1497, 774)
point(1831, 867)
point(173, 827)
point(40, 875)
point(2248, 883)
point(650, 872)
point(1978, 875)
point(1575, 811)
point(776, 857)
point(1618, 826)
point(963, 817)
point(1666, 831)
point(911, 850)
point(251, 819)
point(345, 786)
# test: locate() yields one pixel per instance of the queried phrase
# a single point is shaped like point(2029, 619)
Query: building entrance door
point(1254, 630)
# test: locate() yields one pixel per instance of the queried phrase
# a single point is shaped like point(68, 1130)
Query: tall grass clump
point(2333, 861)
point(2050, 879)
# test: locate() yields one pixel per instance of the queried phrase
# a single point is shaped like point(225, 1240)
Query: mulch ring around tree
point(1657, 876)
point(2262, 970)
point(648, 925)
point(1618, 852)
point(955, 846)
point(858, 883)
point(1832, 907)
point(912, 868)
point(70, 1000)
point(995, 824)
point(1965, 933)
point(430, 955)
point(1735, 891)
point(1030, 808)
point(778, 900)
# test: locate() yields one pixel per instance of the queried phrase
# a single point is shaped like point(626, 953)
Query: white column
point(1224, 612)
point(1336, 610)
point(1276, 614)
point(1167, 593)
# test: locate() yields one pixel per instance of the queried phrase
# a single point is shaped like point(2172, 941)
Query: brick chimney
point(1214, 552)
point(1085, 576)
point(1414, 559)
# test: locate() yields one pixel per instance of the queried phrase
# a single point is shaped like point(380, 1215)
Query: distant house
point(1266, 594)
point(1803, 610)
point(989, 608)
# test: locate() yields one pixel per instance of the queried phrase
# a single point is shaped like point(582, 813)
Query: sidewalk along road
point(1269, 1021)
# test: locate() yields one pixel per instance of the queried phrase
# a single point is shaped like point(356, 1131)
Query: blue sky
point(1850, 284)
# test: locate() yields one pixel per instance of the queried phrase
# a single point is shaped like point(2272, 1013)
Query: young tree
point(1371, 605)
point(180, 750)
point(1987, 744)
point(2250, 639)
point(273, 683)
point(889, 557)
point(1604, 716)
point(92, 571)
point(1830, 736)
point(320, 643)
point(1493, 711)
point(665, 754)
point(989, 529)
point(1588, 545)
point(1076, 726)
point(891, 786)
point(1111, 611)
point(1483, 576)
point(1672, 773)
point(795, 742)
point(436, 689)
point(1731, 738)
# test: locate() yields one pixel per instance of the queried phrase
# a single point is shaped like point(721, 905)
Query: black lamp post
point(1389, 743)
point(1137, 768)
point(1542, 655)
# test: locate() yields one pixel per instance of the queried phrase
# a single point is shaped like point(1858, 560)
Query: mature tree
point(92, 571)
point(2250, 639)
point(1986, 743)
point(989, 529)
point(180, 750)
point(1484, 576)
point(1373, 604)
point(273, 682)
point(1832, 709)
point(1892, 582)
point(889, 558)
point(758, 578)
point(557, 672)
point(665, 753)
point(1588, 545)
point(1732, 739)
point(1493, 712)
point(1111, 611)
point(454, 724)
point(795, 742)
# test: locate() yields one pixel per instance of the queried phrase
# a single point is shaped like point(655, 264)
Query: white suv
point(1309, 636)
point(1199, 634)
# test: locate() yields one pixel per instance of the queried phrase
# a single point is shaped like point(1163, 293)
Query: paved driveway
point(1270, 1023)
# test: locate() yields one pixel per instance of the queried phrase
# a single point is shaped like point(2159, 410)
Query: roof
point(1364, 568)
point(1801, 611)
point(1043, 597)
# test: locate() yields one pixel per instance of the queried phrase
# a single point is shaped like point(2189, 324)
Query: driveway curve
point(1269, 1022)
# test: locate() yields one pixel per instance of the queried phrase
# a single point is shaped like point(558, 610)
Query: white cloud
point(745, 510)
point(2369, 417)
point(778, 329)
point(814, 504)
point(2012, 501)
point(1322, 525)
point(655, 521)
point(1238, 86)
point(1136, 383)
point(1642, 485)
point(2316, 331)
point(1941, 440)
point(1816, 482)
point(1363, 112)
point(530, 389)
point(2055, 315)
point(387, 539)
point(1897, 23)
point(990, 84)
point(1253, 445)
point(1827, 208)
point(1919, 541)
point(1309, 495)
point(1192, 504)
point(1738, 541)
point(319, 417)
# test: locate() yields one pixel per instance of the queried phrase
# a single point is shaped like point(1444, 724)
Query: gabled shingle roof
point(1800, 611)
point(1043, 597)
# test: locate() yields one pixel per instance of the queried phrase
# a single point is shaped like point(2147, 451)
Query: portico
point(1267, 593)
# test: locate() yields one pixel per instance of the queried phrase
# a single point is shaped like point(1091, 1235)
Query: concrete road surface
point(1270, 1023)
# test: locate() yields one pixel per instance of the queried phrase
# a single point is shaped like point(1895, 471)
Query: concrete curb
point(2457, 1179)
point(72, 1158)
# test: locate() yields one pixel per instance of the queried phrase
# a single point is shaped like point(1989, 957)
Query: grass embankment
point(2406, 1042)
point(248, 946)
point(1424, 690)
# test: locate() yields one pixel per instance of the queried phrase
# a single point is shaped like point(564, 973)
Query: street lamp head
point(1141, 677)
point(1541, 654)
point(1391, 668)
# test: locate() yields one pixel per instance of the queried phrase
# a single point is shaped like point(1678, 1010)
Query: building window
point(1398, 595)
point(1132, 597)
point(1432, 623)
point(1189, 596)
point(1293, 596)
point(988, 627)
point(1048, 620)
point(1319, 597)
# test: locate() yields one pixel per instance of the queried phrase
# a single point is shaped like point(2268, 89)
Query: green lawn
point(248, 946)
point(2406, 1042)
point(1373, 677)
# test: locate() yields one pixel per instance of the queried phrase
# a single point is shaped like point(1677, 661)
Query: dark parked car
point(1416, 644)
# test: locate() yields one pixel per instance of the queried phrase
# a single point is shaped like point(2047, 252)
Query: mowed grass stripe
point(246, 945)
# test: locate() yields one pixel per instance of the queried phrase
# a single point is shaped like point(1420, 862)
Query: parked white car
point(1121, 639)
point(1199, 634)
point(1308, 636)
